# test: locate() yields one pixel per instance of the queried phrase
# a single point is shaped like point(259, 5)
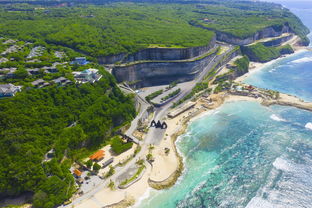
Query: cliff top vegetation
point(115, 28)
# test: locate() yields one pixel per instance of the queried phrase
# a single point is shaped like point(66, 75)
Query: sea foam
point(308, 126)
point(302, 60)
point(276, 118)
point(282, 164)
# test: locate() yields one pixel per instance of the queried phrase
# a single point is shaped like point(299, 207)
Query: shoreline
point(168, 168)
point(256, 66)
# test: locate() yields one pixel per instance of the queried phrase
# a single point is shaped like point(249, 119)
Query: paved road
point(154, 135)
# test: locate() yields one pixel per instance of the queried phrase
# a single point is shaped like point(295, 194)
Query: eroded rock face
point(157, 73)
point(159, 54)
point(265, 33)
point(277, 41)
point(169, 53)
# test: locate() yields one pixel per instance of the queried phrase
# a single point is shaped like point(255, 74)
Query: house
point(3, 60)
point(49, 69)
point(62, 81)
point(88, 75)
point(38, 83)
point(77, 173)
point(97, 156)
point(9, 90)
point(80, 61)
point(35, 71)
point(35, 52)
point(59, 80)
point(9, 72)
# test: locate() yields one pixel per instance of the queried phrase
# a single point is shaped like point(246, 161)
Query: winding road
point(154, 135)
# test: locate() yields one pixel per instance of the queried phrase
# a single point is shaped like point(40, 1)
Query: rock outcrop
point(157, 73)
point(278, 41)
point(273, 31)
point(159, 54)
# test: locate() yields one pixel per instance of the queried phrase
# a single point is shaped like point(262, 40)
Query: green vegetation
point(239, 68)
point(222, 86)
point(153, 95)
point(128, 27)
point(89, 163)
point(242, 65)
point(199, 87)
point(260, 53)
point(114, 28)
point(135, 176)
point(111, 185)
point(96, 167)
point(170, 95)
point(110, 172)
point(118, 146)
point(37, 120)
point(172, 85)
point(243, 19)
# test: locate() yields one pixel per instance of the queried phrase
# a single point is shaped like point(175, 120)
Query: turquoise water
point(244, 154)
point(292, 75)
point(247, 155)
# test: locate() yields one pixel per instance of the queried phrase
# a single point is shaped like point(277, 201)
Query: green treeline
point(128, 27)
point(239, 68)
point(242, 65)
point(260, 53)
point(105, 30)
point(73, 120)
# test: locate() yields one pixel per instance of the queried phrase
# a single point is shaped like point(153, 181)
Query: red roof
point(77, 172)
point(98, 155)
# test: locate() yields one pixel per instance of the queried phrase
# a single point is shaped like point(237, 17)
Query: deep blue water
point(247, 155)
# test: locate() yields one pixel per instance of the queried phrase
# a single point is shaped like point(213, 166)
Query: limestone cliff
point(159, 54)
point(156, 73)
point(264, 33)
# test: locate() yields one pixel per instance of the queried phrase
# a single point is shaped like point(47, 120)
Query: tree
point(89, 163)
point(21, 74)
point(96, 167)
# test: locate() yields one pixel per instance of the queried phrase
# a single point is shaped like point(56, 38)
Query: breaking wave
point(277, 118)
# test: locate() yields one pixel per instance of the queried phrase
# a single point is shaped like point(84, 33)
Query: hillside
point(128, 27)
point(73, 120)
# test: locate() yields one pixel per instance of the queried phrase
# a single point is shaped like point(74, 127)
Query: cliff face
point(156, 73)
point(159, 54)
point(265, 33)
point(277, 41)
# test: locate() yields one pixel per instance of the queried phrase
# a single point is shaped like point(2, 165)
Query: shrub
point(89, 163)
point(96, 167)
point(118, 146)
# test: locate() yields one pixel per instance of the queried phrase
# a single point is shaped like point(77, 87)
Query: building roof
point(9, 89)
point(98, 155)
point(80, 58)
point(77, 172)
point(60, 79)
point(38, 81)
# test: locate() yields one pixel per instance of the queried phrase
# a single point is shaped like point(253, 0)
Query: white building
point(88, 75)
point(9, 90)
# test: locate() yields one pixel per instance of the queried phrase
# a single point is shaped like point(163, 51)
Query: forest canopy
point(38, 120)
point(128, 27)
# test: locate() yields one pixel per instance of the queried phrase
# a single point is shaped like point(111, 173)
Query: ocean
point(246, 155)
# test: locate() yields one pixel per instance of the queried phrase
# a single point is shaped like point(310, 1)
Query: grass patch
point(118, 146)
